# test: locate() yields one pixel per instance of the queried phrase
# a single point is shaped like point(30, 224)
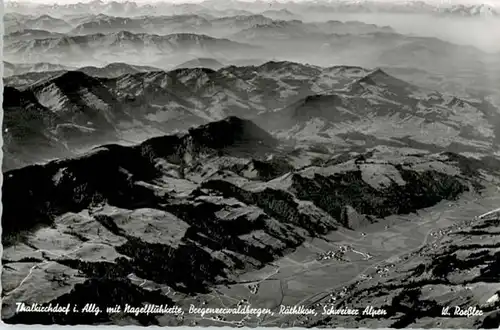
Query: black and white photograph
point(251, 163)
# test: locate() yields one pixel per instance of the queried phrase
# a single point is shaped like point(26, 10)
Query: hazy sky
point(496, 2)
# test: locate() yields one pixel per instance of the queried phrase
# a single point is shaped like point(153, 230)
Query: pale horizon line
point(430, 2)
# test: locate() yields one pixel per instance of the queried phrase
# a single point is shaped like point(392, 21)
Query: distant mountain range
point(289, 9)
point(209, 63)
point(150, 24)
point(297, 102)
point(115, 70)
point(481, 10)
point(98, 48)
point(280, 31)
point(16, 21)
point(11, 69)
point(247, 37)
point(18, 25)
point(25, 74)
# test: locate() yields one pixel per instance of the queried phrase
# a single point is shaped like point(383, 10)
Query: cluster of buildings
point(383, 271)
point(253, 288)
point(337, 255)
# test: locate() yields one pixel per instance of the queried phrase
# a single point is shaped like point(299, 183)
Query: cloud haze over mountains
point(232, 154)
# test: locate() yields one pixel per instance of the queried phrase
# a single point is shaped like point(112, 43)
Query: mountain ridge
point(83, 48)
point(158, 101)
point(417, 7)
point(212, 195)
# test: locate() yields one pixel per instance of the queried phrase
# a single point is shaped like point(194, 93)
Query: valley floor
point(301, 279)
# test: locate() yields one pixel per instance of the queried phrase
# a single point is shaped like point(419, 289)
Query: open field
point(301, 279)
